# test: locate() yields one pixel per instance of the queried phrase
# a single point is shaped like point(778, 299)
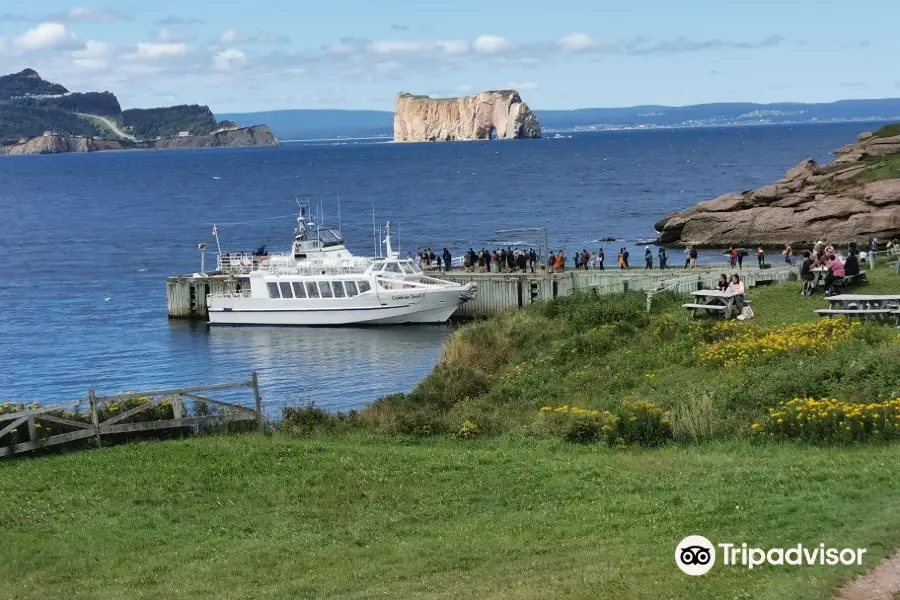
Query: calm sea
point(89, 239)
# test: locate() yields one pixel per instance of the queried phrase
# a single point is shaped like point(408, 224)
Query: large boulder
point(811, 202)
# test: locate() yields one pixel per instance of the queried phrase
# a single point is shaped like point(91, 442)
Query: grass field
point(453, 491)
point(357, 516)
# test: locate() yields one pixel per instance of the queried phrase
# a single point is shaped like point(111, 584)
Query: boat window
point(406, 268)
point(338, 289)
point(273, 290)
point(311, 289)
point(377, 266)
point(363, 286)
point(286, 289)
point(299, 291)
point(351, 288)
point(392, 268)
point(415, 268)
point(325, 289)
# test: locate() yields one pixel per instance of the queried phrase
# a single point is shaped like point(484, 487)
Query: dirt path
point(111, 125)
point(881, 583)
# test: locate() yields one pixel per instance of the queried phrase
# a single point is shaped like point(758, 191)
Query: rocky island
point(855, 196)
point(488, 115)
point(40, 117)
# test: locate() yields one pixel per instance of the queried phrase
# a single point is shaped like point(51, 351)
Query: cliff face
point(258, 135)
point(228, 138)
point(852, 197)
point(424, 119)
point(56, 144)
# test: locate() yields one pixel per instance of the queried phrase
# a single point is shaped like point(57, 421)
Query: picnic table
point(713, 302)
point(875, 307)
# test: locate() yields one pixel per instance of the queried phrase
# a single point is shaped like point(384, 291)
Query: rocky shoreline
point(257, 135)
point(856, 196)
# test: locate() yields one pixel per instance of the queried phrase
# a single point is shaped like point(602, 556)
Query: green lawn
point(357, 516)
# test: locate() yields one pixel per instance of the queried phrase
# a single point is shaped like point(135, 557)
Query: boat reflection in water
point(337, 368)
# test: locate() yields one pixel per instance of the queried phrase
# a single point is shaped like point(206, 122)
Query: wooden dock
point(186, 294)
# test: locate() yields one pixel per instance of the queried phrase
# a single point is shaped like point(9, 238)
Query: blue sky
point(276, 54)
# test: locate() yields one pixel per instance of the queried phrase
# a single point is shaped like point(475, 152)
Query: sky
point(240, 56)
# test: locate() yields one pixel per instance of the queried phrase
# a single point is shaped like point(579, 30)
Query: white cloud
point(391, 47)
point(230, 36)
point(83, 14)
point(155, 51)
point(528, 86)
point(94, 56)
point(339, 48)
point(453, 47)
point(174, 34)
point(576, 42)
point(490, 44)
point(43, 37)
point(226, 60)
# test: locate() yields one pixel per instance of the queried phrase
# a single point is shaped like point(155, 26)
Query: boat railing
point(238, 262)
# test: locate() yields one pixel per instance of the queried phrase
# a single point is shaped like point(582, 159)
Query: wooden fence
point(100, 420)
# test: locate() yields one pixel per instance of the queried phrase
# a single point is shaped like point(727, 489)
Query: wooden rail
point(100, 420)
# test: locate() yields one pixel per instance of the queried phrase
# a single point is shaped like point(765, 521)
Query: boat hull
point(433, 307)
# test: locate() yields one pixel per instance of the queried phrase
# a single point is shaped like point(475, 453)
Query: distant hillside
point(150, 123)
point(306, 124)
point(31, 106)
point(27, 82)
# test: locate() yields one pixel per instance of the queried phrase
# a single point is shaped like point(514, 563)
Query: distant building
point(184, 133)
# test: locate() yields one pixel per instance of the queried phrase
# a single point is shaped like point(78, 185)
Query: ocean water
point(89, 240)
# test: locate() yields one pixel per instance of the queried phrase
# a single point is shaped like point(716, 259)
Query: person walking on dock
point(687, 257)
point(625, 257)
point(448, 264)
point(733, 256)
point(532, 258)
point(692, 253)
point(648, 258)
point(487, 259)
point(663, 258)
point(760, 257)
point(740, 257)
point(601, 256)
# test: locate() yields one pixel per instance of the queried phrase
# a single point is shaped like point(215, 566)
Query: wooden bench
point(706, 306)
point(877, 314)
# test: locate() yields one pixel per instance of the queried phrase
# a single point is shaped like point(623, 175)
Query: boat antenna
point(374, 230)
point(215, 232)
point(340, 229)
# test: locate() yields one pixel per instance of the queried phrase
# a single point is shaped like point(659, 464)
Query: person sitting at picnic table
point(722, 283)
point(737, 290)
point(851, 265)
point(806, 274)
point(835, 273)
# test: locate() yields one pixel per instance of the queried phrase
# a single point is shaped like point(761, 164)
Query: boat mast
point(374, 231)
point(387, 240)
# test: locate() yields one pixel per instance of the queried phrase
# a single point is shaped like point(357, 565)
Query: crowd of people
point(502, 260)
point(825, 260)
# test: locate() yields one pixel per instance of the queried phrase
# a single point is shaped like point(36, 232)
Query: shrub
point(643, 423)
point(831, 421)
point(468, 429)
point(696, 420)
point(640, 423)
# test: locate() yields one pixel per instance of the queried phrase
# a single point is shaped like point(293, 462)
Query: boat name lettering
point(407, 296)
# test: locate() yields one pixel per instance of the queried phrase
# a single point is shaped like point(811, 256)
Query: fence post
point(32, 429)
point(95, 417)
point(254, 383)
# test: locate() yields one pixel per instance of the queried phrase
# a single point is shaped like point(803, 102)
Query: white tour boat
point(389, 291)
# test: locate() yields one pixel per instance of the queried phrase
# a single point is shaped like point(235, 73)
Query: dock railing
point(131, 412)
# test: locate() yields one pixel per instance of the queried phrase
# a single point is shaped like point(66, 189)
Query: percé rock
point(56, 144)
point(811, 202)
point(257, 135)
point(500, 114)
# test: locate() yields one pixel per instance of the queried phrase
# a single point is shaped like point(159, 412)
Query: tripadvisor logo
point(696, 555)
